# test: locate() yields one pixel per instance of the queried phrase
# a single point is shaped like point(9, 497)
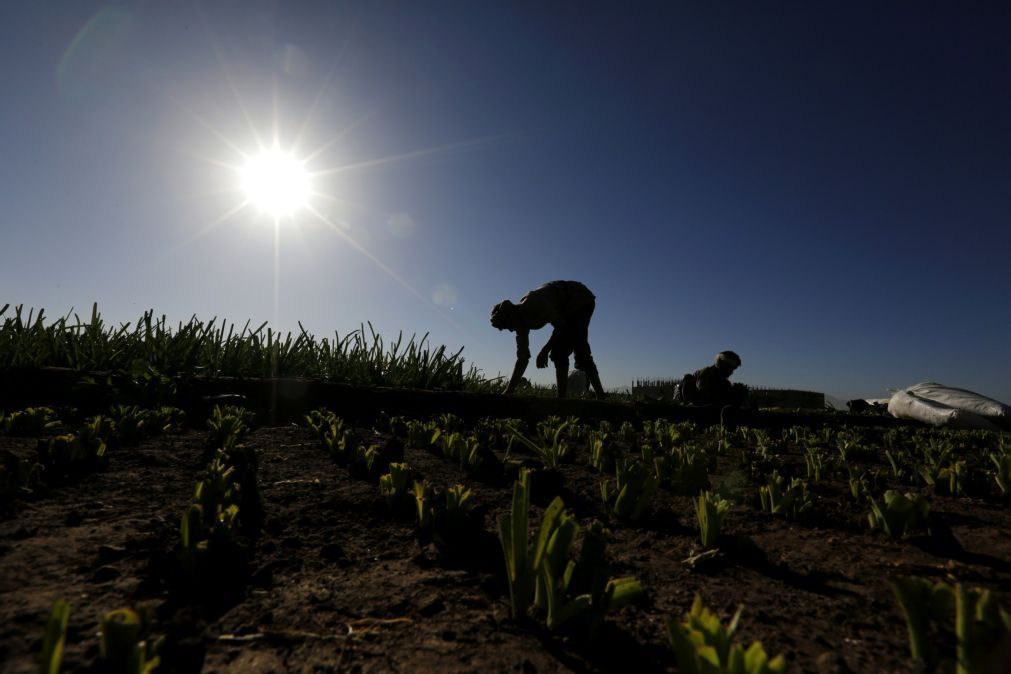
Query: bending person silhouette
point(568, 307)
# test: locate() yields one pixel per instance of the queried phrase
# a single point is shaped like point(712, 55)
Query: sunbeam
point(297, 144)
point(388, 270)
point(203, 231)
point(415, 154)
point(228, 77)
point(364, 251)
point(335, 139)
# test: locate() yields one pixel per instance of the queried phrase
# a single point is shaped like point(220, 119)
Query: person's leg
point(594, 377)
point(562, 377)
point(560, 349)
point(581, 348)
point(560, 357)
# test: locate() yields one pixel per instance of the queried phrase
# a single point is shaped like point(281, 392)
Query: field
point(246, 541)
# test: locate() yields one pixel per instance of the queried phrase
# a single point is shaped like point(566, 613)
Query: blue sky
point(825, 189)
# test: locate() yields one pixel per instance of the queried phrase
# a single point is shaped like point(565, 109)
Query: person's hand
point(542, 360)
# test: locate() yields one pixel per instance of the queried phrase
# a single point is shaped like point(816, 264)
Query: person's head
point(503, 315)
point(727, 362)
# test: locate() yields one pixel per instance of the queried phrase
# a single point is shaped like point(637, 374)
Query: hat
point(728, 358)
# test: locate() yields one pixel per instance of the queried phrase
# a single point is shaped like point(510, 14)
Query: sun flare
point(275, 182)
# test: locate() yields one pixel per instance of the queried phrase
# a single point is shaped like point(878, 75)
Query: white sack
point(960, 399)
point(579, 384)
point(906, 405)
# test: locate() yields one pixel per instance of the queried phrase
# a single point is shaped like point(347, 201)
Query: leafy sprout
point(703, 645)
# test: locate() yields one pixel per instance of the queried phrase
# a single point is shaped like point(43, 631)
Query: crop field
point(144, 537)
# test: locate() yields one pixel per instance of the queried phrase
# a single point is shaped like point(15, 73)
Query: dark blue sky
point(824, 189)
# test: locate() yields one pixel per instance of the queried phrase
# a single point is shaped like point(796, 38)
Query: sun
point(275, 182)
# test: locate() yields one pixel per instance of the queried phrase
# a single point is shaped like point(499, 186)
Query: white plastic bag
point(960, 399)
point(579, 384)
point(910, 404)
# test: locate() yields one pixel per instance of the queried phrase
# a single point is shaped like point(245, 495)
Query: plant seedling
point(702, 645)
point(514, 536)
point(815, 461)
point(600, 456)
point(900, 514)
point(212, 555)
point(577, 594)
point(466, 451)
point(858, 484)
point(337, 439)
point(569, 592)
point(953, 477)
point(684, 469)
point(424, 501)
point(849, 444)
point(710, 510)
point(1002, 472)
point(788, 499)
point(65, 456)
point(633, 491)
point(935, 458)
point(422, 434)
point(627, 432)
point(29, 422)
point(454, 520)
point(980, 624)
point(363, 463)
point(319, 420)
point(123, 643)
point(132, 424)
point(55, 637)
point(227, 422)
point(895, 461)
point(447, 516)
point(552, 453)
point(450, 423)
point(393, 485)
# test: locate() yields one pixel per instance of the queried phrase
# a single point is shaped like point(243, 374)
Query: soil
point(338, 584)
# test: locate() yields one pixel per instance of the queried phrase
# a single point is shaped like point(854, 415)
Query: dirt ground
point(339, 585)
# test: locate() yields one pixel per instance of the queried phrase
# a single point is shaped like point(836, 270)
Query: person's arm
point(545, 353)
point(522, 359)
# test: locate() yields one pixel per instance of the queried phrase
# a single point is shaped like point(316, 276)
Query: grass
point(219, 349)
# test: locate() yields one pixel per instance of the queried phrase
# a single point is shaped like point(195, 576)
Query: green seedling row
point(221, 349)
point(558, 571)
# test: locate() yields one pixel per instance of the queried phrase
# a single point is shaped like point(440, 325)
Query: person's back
point(553, 301)
point(711, 386)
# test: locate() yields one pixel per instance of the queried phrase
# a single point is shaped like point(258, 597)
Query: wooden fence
point(761, 396)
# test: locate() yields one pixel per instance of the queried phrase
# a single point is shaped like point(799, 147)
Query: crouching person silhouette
point(568, 307)
point(711, 384)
